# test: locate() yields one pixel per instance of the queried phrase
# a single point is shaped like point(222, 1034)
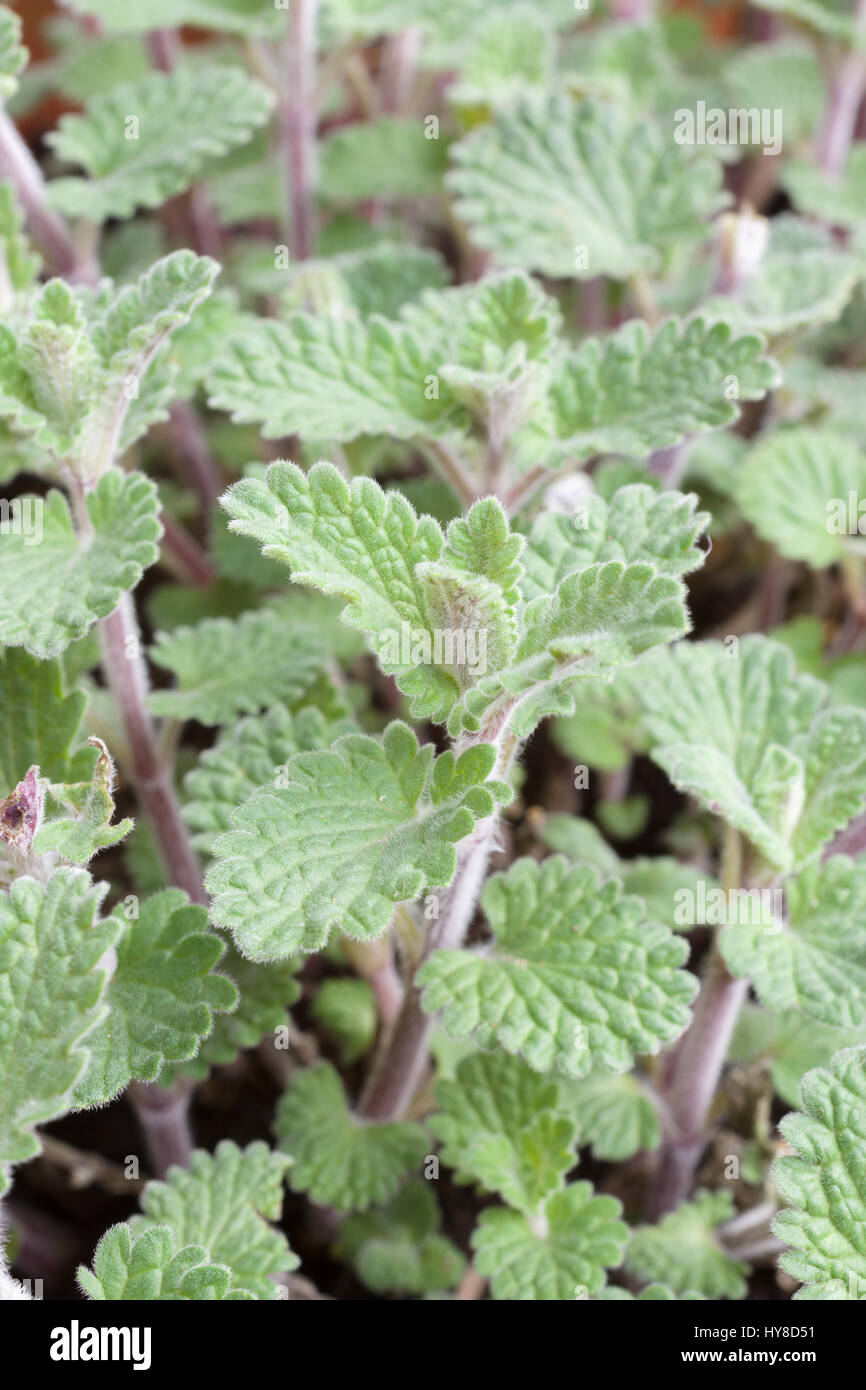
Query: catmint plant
point(433, 652)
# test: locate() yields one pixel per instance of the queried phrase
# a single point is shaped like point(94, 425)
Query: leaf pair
point(486, 362)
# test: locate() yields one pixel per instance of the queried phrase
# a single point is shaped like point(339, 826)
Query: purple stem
point(398, 1074)
point(163, 1113)
point(399, 66)
point(48, 230)
point(695, 1071)
point(126, 674)
point(188, 436)
point(192, 563)
point(298, 128)
point(847, 85)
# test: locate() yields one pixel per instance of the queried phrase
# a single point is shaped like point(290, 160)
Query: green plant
point(377, 690)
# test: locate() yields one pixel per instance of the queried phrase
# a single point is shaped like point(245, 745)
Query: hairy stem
point(399, 1071)
point(374, 962)
point(185, 556)
point(298, 127)
point(698, 1061)
point(698, 1066)
point(847, 84)
point(452, 470)
point(525, 488)
point(471, 1286)
point(126, 675)
point(163, 1113)
point(188, 438)
point(48, 230)
point(399, 65)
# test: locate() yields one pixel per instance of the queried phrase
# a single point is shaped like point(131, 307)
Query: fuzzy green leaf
point(397, 1247)
point(838, 200)
point(248, 755)
point(136, 323)
point(581, 189)
point(631, 392)
point(148, 1267)
point(433, 605)
point(347, 834)
point(162, 996)
point(225, 667)
point(498, 1124)
point(266, 992)
point(80, 375)
point(738, 728)
point(615, 1114)
point(53, 592)
point(791, 1043)
point(216, 108)
point(658, 879)
point(683, 1253)
point(87, 827)
point(815, 960)
point(338, 1160)
point(558, 1254)
point(386, 158)
point(826, 1184)
point(599, 618)
point(225, 1201)
point(52, 995)
point(637, 524)
point(795, 487)
point(791, 292)
point(573, 979)
point(38, 723)
point(331, 377)
point(19, 264)
point(433, 369)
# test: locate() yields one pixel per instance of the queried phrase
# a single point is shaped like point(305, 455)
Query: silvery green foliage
point(823, 1182)
point(77, 370)
point(150, 1267)
point(795, 488)
point(225, 1202)
point(217, 109)
point(339, 1160)
point(738, 728)
point(558, 177)
point(52, 950)
point(53, 593)
point(462, 361)
point(683, 1252)
point(397, 1247)
point(344, 835)
point(404, 580)
point(348, 752)
point(558, 985)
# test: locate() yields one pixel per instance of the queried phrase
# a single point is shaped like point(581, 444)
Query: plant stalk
point(48, 230)
point(298, 126)
point(698, 1061)
point(847, 84)
point(126, 675)
point(396, 1077)
point(163, 1113)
